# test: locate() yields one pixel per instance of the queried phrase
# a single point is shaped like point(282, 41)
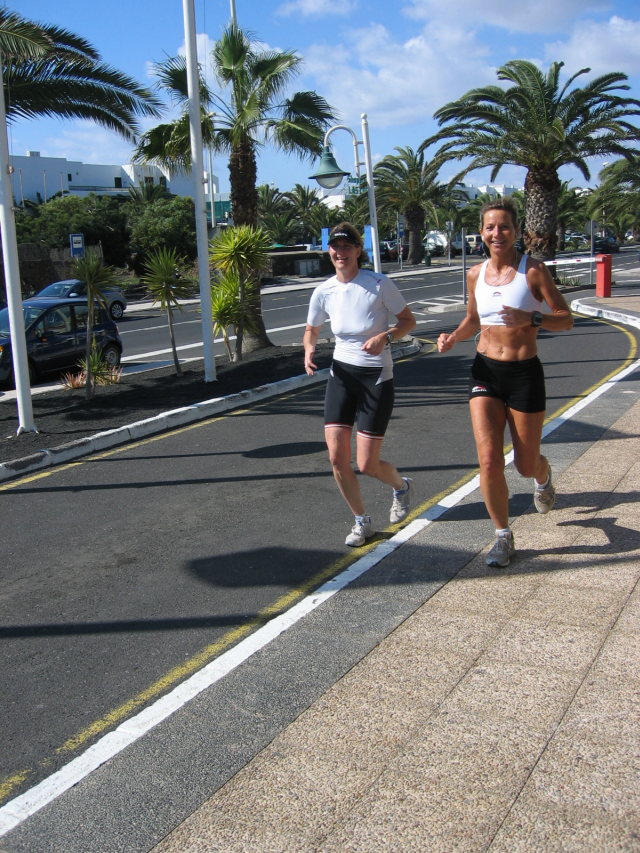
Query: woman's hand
point(309, 366)
point(445, 342)
point(515, 318)
point(375, 345)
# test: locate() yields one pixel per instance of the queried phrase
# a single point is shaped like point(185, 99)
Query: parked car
point(435, 249)
point(393, 250)
point(71, 287)
point(605, 245)
point(56, 332)
point(456, 246)
point(475, 241)
point(384, 250)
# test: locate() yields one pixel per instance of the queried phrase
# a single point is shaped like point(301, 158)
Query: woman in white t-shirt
point(360, 387)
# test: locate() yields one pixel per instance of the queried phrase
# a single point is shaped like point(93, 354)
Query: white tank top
point(516, 294)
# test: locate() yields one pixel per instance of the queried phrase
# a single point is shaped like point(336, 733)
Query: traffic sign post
point(591, 227)
point(76, 242)
point(400, 229)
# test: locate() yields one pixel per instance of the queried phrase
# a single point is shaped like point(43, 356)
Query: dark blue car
point(56, 331)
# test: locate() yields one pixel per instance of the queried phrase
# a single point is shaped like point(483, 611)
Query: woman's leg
point(368, 457)
point(489, 418)
point(338, 440)
point(526, 433)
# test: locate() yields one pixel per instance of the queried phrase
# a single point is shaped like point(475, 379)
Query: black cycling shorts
point(519, 384)
point(353, 394)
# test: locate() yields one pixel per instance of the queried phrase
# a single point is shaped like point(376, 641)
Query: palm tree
point(572, 211)
point(322, 216)
point(97, 278)
point(255, 113)
point(147, 194)
point(406, 183)
point(539, 125)
point(242, 250)
point(303, 200)
point(470, 213)
point(271, 202)
point(227, 309)
point(619, 191)
point(63, 75)
point(281, 228)
point(162, 279)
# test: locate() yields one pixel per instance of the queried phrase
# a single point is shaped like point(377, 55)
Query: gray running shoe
point(503, 550)
point(401, 503)
point(360, 532)
point(544, 499)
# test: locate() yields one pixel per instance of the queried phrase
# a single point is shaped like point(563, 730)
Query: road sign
point(76, 241)
point(401, 225)
point(325, 239)
point(368, 243)
point(449, 225)
point(591, 227)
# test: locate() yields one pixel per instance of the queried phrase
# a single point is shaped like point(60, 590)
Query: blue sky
point(397, 62)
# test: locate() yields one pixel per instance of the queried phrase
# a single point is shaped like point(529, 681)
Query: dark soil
point(64, 416)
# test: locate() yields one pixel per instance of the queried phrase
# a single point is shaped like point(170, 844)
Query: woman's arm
point(471, 322)
point(311, 335)
point(543, 287)
point(406, 322)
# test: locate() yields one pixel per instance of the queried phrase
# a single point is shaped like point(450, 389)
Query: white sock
point(540, 487)
point(402, 491)
point(363, 519)
point(503, 532)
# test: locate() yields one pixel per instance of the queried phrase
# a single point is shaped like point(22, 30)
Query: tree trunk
point(414, 217)
point(243, 175)
point(561, 236)
point(89, 378)
point(542, 189)
point(176, 360)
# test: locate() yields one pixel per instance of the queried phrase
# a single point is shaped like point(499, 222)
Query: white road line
point(19, 809)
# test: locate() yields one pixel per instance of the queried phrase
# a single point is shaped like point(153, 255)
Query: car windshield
point(29, 312)
point(58, 288)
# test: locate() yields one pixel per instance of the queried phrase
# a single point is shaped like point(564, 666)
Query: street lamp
point(329, 175)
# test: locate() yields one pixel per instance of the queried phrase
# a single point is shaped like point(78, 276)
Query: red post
point(603, 275)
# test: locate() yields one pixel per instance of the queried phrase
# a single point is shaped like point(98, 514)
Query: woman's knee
point(526, 466)
point(368, 466)
point(491, 465)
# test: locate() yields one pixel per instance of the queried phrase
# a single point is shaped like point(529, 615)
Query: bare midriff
point(504, 344)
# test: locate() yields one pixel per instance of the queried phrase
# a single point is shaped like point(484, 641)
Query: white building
point(38, 178)
point(489, 189)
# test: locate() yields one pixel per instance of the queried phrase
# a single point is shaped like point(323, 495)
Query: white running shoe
point(401, 502)
point(360, 532)
point(544, 499)
point(503, 550)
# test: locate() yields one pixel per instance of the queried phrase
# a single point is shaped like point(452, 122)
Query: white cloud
point(398, 83)
point(315, 8)
point(542, 16)
point(204, 46)
point(88, 143)
point(603, 47)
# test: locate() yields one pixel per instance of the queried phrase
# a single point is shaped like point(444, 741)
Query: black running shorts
point(519, 384)
point(353, 394)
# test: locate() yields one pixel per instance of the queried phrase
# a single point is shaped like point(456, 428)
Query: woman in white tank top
point(506, 296)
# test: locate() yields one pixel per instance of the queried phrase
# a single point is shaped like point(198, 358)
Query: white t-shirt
point(358, 310)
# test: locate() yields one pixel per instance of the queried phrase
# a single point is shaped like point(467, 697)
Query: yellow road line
point(281, 604)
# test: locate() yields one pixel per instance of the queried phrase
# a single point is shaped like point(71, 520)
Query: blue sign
point(76, 241)
point(367, 238)
point(325, 239)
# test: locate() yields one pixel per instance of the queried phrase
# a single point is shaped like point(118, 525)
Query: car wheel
point(116, 310)
point(111, 355)
point(33, 373)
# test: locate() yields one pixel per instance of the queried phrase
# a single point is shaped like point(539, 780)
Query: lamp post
point(329, 175)
point(604, 218)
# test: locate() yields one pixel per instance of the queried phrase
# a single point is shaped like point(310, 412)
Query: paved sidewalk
point(503, 715)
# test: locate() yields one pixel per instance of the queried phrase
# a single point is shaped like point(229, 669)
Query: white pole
point(233, 13)
point(464, 269)
point(212, 200)
point(375, 244)
point(197, 170)
point(12, 280)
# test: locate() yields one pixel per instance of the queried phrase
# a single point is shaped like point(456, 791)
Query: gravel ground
point(63, 416)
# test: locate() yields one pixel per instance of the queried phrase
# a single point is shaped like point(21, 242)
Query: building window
point(117, 182)
point(148, 180)
point(163, 181)
point(69, 177)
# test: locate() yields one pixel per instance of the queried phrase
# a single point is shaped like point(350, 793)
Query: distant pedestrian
point(506, 294)
point(360, 388)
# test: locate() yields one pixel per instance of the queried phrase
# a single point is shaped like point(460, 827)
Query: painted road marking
point(19, 809)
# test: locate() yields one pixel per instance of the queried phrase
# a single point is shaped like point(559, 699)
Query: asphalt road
point(123, 573)
point(146, 338)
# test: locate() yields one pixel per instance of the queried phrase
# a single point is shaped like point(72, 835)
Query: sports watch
point(389, 337)
point(536, 318)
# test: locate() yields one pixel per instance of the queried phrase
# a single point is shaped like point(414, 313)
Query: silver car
point(71, 287)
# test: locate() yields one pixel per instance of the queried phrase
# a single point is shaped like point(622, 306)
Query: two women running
point(360, 387)
point(506, 294)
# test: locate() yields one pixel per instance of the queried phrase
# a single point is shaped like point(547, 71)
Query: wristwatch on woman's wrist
point(389, 337)
point(536, 318)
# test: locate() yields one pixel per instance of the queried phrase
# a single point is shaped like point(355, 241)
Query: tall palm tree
point(252, 111)
point(406, 183)
point(572, 211)
point(303, 200)
point(620, 191)
point(542, 126)
point(65, 77)
point(271, 202)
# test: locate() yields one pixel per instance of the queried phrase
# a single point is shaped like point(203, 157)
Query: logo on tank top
point(478, 389)
point(497, 293)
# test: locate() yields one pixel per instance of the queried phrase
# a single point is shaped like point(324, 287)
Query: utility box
point(603, 275)
point(307, 268)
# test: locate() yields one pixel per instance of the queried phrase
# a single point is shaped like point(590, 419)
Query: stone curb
point(604, 313)
point(168, 420)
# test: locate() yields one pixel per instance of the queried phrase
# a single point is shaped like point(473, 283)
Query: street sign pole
point(464, 269)
point(12, 281)
point(197, 170)
point(591, 227)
